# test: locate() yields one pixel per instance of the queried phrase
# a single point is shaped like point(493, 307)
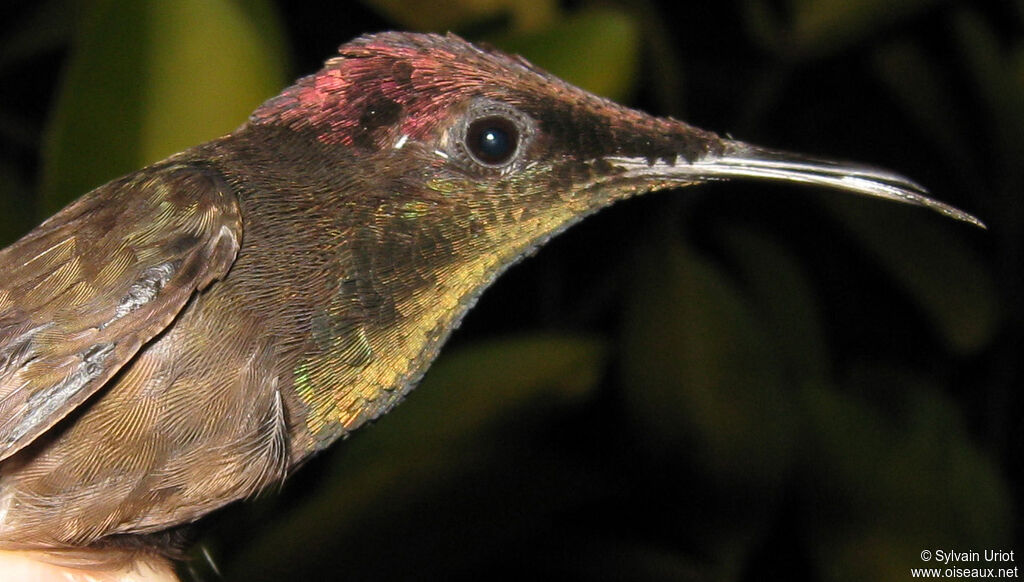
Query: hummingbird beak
point(736, 159)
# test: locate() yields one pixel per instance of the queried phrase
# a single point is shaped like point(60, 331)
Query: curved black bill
point(741, 160)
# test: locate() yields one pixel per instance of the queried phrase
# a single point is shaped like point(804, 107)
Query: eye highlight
point(492, 140)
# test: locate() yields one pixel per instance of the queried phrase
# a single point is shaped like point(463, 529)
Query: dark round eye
point(492, 140)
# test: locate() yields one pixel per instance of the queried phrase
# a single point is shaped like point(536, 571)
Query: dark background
point(732, 382)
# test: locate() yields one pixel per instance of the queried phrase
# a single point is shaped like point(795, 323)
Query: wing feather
point(80, 294)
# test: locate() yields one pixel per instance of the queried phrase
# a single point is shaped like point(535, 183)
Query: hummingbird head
point(475, 127)
point(455, 131)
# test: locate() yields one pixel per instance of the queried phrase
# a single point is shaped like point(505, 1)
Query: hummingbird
point(187, 335)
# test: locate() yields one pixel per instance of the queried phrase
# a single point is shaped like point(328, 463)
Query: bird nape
point(181, 337)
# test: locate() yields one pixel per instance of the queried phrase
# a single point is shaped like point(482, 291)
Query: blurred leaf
point(999, 79)
point(821, 27)
point(148, 79)
point(433, 436)
point(932, 264)
point(780, 292)
point(429, 15)
point(882, 485)
point(701, 380)
point(698, 373)
point(609, 39)
point(915, 81)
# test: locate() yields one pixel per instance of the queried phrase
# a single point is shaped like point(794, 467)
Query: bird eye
point(492, 140)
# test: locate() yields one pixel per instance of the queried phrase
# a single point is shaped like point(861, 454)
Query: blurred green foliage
point(726, 383)
point(153, 78)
